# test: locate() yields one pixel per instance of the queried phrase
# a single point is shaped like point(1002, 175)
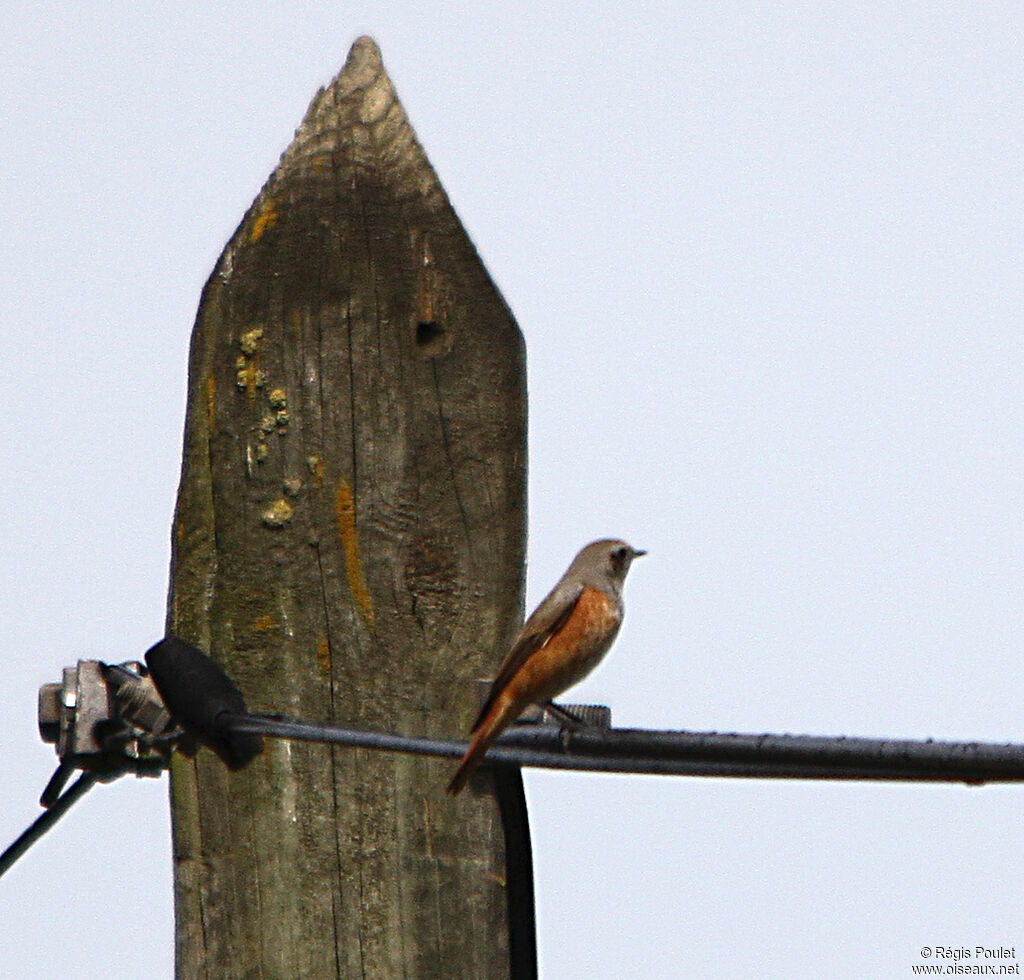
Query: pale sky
point(768, 262)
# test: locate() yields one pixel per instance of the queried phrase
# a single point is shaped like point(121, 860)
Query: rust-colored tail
point(489, 728)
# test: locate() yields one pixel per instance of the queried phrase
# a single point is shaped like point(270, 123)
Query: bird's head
point(608, 559)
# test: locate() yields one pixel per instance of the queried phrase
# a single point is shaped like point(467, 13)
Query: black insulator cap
point(202, 699)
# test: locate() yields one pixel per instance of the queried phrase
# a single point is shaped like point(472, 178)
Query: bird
point(564, 639)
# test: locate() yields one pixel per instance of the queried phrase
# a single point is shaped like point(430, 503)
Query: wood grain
point(348, 544)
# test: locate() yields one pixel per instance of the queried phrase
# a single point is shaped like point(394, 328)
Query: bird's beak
point(637, 552)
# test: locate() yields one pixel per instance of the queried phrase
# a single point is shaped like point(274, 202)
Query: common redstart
point(563, 641)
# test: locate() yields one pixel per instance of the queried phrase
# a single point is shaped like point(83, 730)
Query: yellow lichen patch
point(264, 221)
point(248, 377)
point(251, 341)
point(264, 623)
point(316, 467)
point(345, 516)
point(323, 655)
point(277, 514)
point(211, 401)
point(249, 374)
point(278, 399)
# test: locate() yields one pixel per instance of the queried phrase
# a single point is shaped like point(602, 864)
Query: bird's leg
point(565, 716)
point(570, 722)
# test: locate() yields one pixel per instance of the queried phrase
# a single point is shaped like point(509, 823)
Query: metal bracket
point(567, 716)
point(107, 719)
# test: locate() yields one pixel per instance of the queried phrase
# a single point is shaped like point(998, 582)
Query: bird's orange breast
point(572, 652)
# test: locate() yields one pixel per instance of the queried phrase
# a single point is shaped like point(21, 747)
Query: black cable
point(625, 750)
point(207, 703)
point(522, 931)
point(46, 820)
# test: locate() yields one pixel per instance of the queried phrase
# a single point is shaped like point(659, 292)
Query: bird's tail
point(490, 727)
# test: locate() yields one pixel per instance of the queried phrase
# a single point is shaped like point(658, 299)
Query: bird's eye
point(619, 557)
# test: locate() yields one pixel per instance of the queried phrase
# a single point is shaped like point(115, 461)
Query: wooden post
point(348, 544)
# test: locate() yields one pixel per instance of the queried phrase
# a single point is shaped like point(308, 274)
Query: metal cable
point(692, 753)
point(46, 820)
point(624, 750)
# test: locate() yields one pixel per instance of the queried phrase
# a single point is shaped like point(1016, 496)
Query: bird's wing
point(546, 620)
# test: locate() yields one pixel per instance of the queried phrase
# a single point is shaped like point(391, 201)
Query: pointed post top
point(357, 121)
point(363, 63)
